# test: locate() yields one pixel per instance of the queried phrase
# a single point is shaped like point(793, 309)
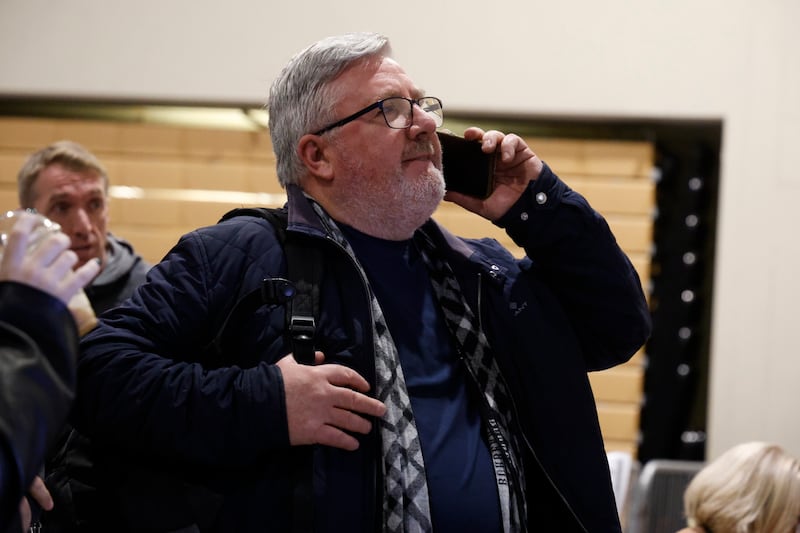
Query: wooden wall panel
point(8, 200)
point(623, 385)
point(148, 140)
point(10, 164)
point(624, 197)
point(25, 134)
point(155, 171)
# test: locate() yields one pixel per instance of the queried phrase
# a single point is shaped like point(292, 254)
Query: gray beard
point(393, 210)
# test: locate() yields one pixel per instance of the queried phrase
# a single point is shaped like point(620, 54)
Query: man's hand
point(516, 166)
point(38, 491)
point(325, 402)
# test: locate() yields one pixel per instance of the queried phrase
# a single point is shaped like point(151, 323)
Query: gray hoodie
point(123, 272)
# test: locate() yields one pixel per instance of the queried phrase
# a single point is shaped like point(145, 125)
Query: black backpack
point(299, 293)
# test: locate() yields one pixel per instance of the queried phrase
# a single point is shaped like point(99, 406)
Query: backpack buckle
point(301, 330)
point(277, 290)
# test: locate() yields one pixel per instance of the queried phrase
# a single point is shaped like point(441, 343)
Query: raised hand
point(515, 167)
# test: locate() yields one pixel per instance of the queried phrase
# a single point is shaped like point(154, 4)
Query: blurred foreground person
point(38, 352)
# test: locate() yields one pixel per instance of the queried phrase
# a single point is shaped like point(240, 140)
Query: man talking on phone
point(449, 390)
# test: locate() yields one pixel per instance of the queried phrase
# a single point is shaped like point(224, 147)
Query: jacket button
point(541, 198)
point(523, 216)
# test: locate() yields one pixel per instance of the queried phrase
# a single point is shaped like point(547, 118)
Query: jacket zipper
point(378, 463)
point(517, 417)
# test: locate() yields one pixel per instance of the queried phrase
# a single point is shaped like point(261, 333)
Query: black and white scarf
point(406, 506)
point(474, 349)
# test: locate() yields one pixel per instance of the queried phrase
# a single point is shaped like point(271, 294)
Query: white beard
point(391, 207)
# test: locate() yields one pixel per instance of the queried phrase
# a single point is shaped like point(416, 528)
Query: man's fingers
point(472, 133)
point(357, 402)
point(38, 491)
point(336, 438)
point(341, 376)
point(325, 403)
point(16, 244)
point(25, 514)
point(349, 421)
point(50, 250)
point(80, 278)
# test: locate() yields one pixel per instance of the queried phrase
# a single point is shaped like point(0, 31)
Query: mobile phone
point(467, 169)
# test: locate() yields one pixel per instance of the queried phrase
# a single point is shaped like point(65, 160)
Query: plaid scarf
point(406, 506)
point(473, 347)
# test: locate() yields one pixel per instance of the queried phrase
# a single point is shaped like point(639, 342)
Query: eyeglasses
point(398, 112)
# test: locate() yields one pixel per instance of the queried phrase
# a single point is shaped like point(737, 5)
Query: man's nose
point(81, 222)
point(421, 120)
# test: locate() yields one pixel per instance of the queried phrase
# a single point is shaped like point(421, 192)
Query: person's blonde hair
point(70, 154)
point(752, 488)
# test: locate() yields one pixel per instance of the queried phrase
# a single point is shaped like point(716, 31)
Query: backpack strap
point(273, 291)
point(304, 265)
point(300, 294)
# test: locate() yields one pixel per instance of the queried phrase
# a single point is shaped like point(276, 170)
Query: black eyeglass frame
point(379, 105)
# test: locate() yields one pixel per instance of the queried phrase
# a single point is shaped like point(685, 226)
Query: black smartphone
point(467, 169)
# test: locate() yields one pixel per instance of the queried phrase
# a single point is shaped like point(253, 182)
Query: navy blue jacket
point(150, 393)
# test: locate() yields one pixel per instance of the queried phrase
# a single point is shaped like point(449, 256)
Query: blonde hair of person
point(69, 154)
point(752, 488)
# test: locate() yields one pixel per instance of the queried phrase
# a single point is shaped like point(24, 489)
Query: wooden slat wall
point(168, 180)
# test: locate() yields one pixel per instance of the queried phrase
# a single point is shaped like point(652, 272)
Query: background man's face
point(77, 201)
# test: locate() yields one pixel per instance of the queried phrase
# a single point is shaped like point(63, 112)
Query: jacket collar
point(304, 219)
point(458, 251)
point(301, 215)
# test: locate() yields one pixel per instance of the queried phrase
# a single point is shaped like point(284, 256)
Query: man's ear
point(312, 150)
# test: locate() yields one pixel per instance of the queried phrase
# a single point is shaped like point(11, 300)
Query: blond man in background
point(69, 185)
